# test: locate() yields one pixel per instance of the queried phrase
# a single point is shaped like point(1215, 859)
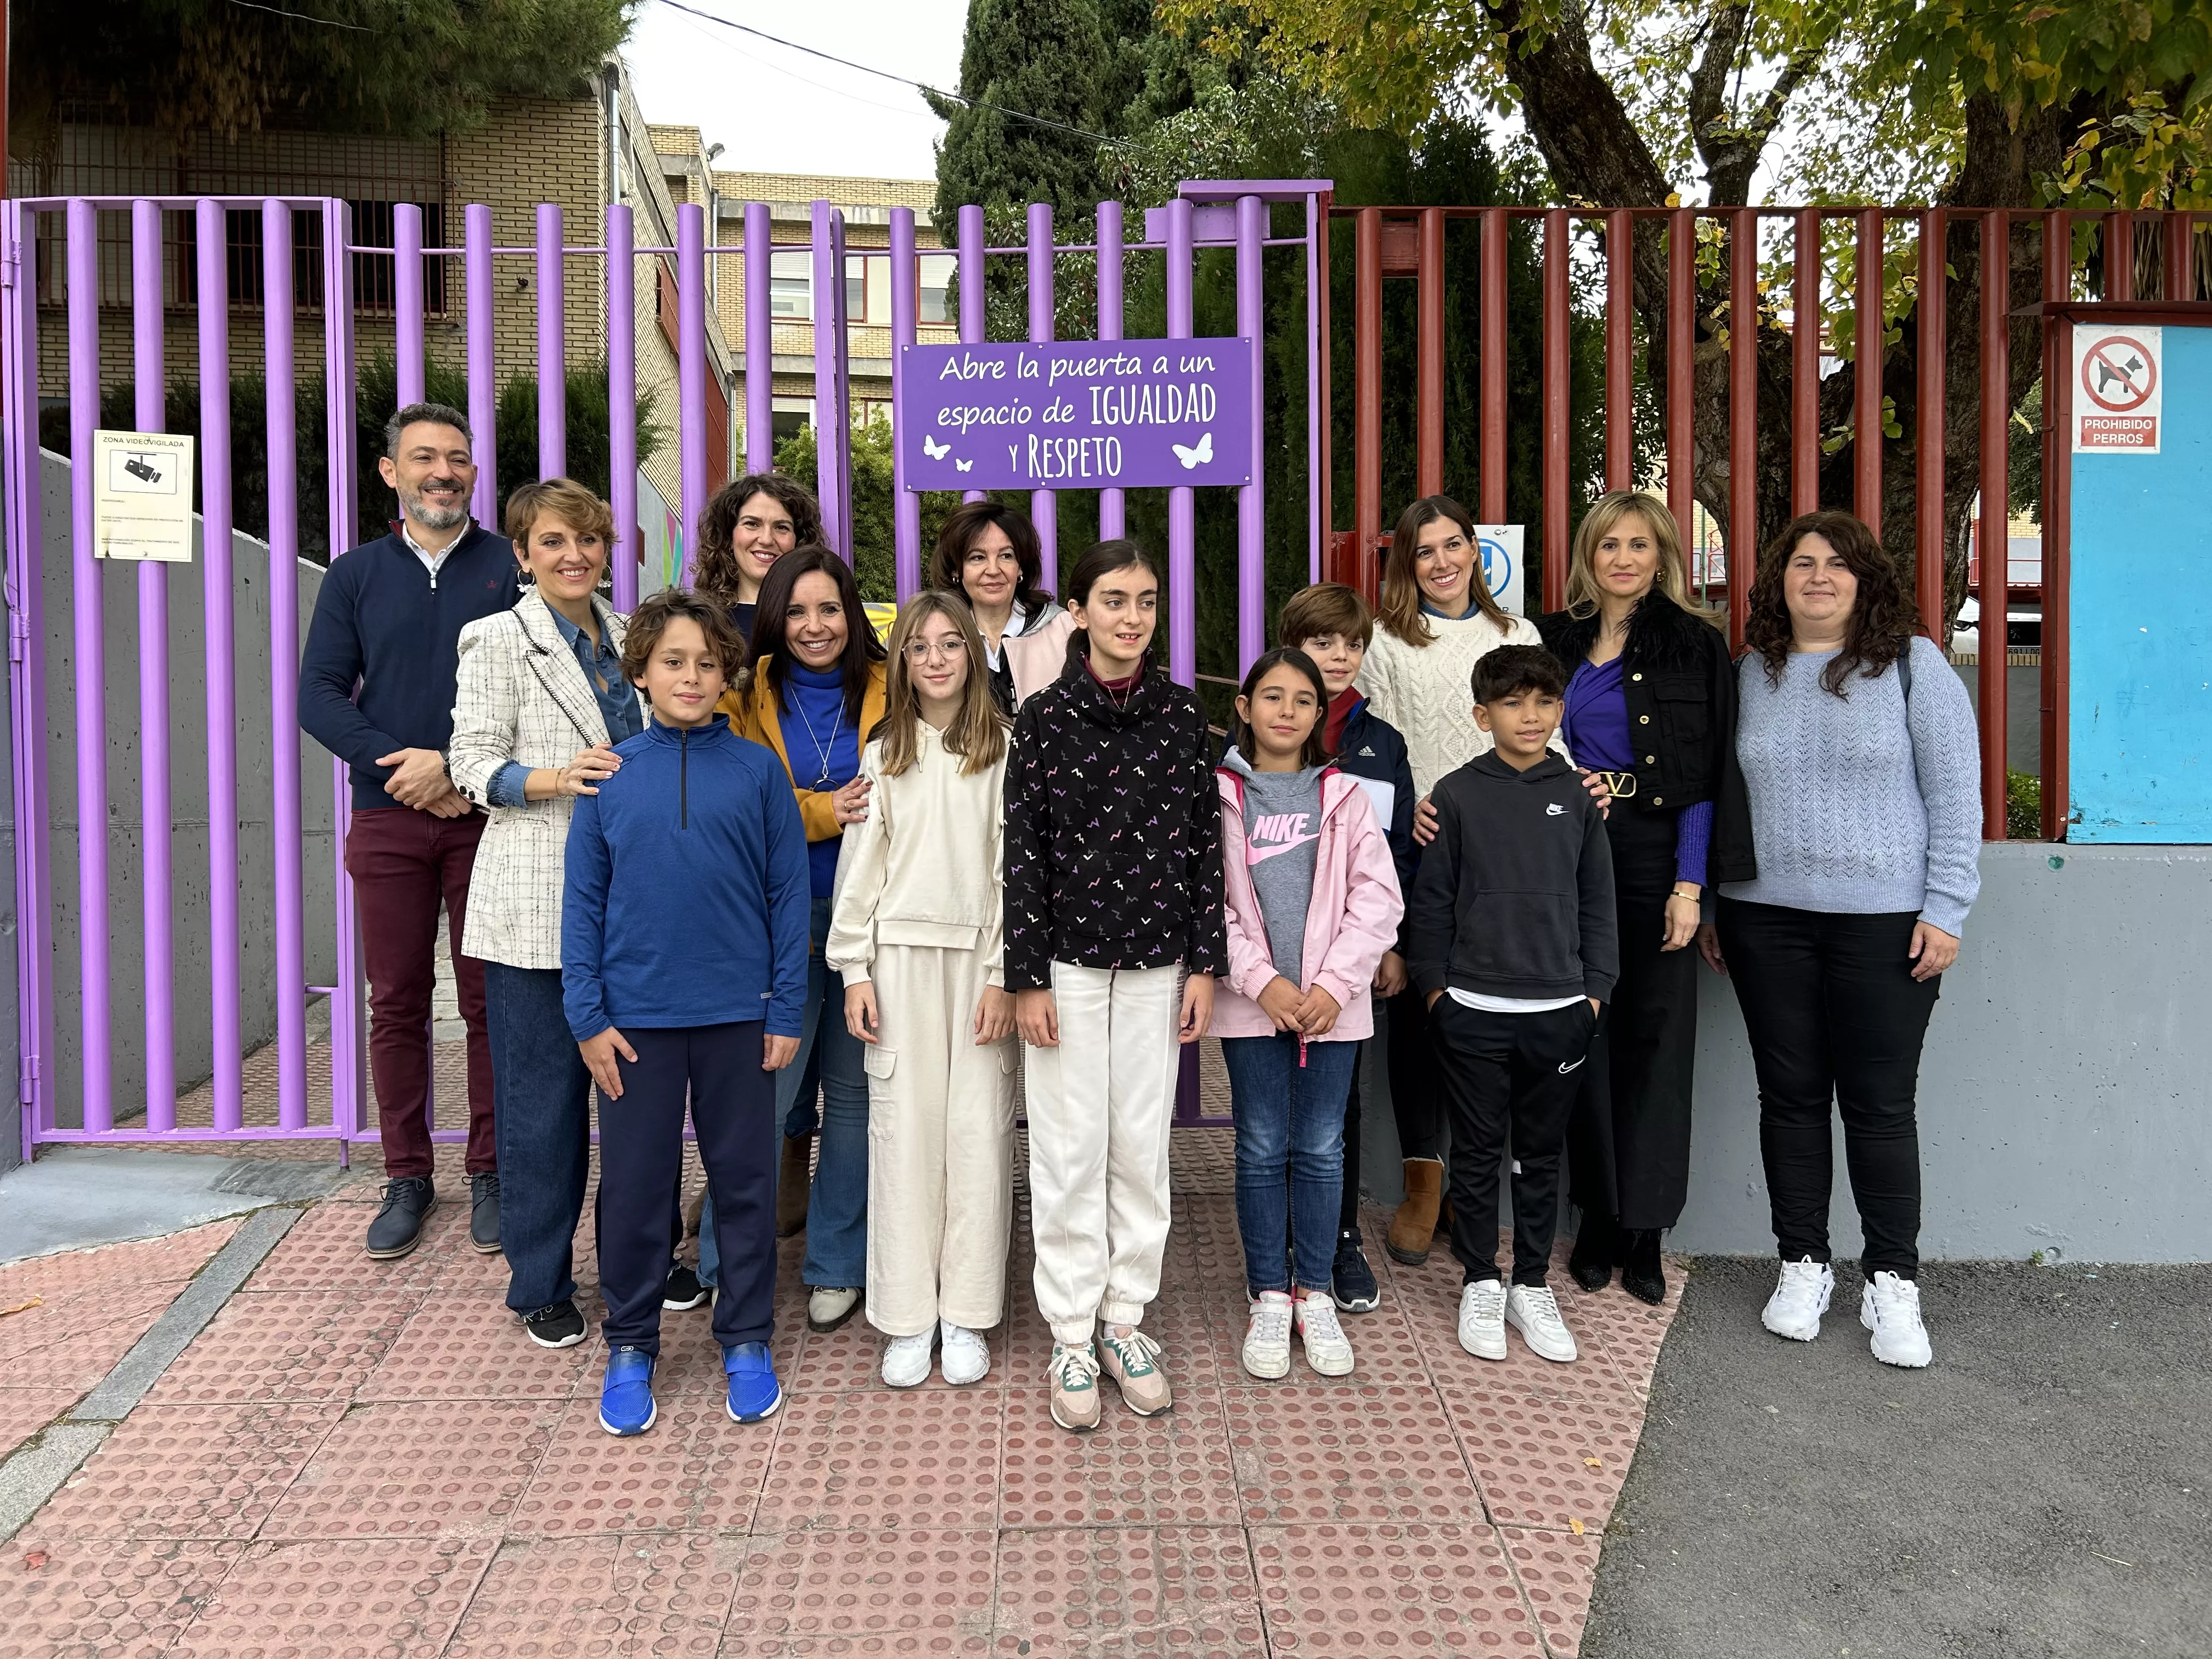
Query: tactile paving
point(187, 1472)
point(880, 1459)
point(1544, 1462)
point(416, 1470)
point(1203, 1160)
point(1129, 1590)
point(26, 1412)
point(903, 1584)
point(656, 1593)
point(171, 1260)
point(324, 1251)
point(1383, 1347)
point(466, 1346)
point(1556, 1570)
point(694, 1470)
point(395, 1598)
point(1373, 1453)
point(1174, 1467)
point(74, 1341)
point(287, 1345)
point(1337, 1592)
point(79, 1600)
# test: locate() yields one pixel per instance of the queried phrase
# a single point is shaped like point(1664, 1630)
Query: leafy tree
point(1046, 58)
point(413, 67)
point(2008, 103)
point(875, 557)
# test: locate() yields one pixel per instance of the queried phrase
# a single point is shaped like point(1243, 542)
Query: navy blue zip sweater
point(686, 902)
point(381, 620)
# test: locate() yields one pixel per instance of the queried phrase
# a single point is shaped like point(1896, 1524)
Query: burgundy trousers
point(402, 862)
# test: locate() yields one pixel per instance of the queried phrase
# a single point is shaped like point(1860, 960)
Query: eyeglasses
point(925, 650)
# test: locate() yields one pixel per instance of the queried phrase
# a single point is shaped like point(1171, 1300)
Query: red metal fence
point(2121, 249)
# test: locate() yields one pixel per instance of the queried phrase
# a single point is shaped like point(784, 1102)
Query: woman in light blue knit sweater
point(1845, 850)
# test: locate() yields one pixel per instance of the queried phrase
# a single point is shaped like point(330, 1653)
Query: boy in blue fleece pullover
point(683, 938)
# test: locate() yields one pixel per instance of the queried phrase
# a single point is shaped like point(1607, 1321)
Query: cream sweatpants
point(940, 1146)
point(1099, 1106)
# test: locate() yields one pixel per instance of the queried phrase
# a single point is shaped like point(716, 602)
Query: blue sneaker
point(754, 1392)
point(626, 1405)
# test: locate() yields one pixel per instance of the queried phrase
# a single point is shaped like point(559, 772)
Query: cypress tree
point(1041, 57)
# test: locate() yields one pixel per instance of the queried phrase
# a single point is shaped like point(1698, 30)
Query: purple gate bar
point(91, 662)
point(219, 638)
point(1043, 510)
point(906, 505)
point(621, 403)
point(691, 371)
point(407, 299)
point(483, 386)
point(284, 664)
point(760, 344)
point(552, 358)
point(1251, 501)
point(158, 951)
point(1112, 510)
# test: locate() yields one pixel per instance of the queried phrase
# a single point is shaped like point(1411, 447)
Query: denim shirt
point(617, 701)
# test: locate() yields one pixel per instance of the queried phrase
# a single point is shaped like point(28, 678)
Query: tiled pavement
point(364, 1458)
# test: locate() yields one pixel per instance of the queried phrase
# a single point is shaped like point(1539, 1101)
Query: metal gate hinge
point(19, 635)
point(27, 1077)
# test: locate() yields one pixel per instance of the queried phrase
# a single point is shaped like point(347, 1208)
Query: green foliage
point(1044, 57)
point(414, 67)
point(376, 394)
point(2023, 806)
point(873, 545)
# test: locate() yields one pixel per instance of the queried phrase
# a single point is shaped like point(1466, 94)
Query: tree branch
point(1709, 80)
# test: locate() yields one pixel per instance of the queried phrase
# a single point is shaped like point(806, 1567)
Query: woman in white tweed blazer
point(543, 710)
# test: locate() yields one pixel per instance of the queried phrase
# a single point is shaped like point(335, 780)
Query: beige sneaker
point(1074, 1378)
point(1133, 1361)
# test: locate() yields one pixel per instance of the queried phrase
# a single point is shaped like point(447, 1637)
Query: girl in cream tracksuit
point(916, 930)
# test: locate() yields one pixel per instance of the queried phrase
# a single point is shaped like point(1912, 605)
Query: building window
point(936, 281)
point(242, 257)
point(375, 275)
point(856, 288)
point(791, 286)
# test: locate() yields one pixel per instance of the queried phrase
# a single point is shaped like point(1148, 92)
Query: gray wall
point(2066, 1089)
point(188, 837)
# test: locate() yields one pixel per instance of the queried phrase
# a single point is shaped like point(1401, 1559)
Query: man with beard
point(389, 620)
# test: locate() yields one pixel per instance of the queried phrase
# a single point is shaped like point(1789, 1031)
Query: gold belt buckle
point(1620, 785)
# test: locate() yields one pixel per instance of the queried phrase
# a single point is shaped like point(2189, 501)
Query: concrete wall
point(2066, 1091)
point(188, 841)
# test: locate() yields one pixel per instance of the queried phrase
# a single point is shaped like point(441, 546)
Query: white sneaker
point(829, 1306)
point(1890, 1308)
point(1534, 1311)
point(906, 1361)
point(1482, 1319)
point(1800, 1297)
point(1268, 1338)
point(1328, 1352)
point(967, 1355)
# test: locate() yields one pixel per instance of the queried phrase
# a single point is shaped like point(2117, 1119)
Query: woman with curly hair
point(743, 530)
point(1846, 850)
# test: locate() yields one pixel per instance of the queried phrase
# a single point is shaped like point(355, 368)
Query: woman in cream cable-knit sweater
point(1437, 620)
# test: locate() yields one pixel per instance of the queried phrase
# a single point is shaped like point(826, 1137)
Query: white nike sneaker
point(1482, 1319)
point(1890, 1308)
point(1534, 1311)
point(1267, 1337)
point(906, 1360)
point(1800, 1298)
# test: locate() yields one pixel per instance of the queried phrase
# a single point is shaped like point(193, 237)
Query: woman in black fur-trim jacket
point(1650, 702)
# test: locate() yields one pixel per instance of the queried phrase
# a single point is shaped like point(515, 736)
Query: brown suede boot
point(791, 1184)
point(1415, 1225)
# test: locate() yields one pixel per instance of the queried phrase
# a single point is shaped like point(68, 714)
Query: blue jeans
point(542, 1122)
point(837, 1212)
point(1290, 1121)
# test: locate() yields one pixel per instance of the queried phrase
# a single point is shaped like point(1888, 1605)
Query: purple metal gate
point(1229, 215)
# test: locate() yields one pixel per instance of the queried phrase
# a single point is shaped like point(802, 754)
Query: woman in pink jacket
point(1312, 903)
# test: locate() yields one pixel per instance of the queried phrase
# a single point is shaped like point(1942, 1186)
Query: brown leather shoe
point(791, 1185)
point(1415, 1225)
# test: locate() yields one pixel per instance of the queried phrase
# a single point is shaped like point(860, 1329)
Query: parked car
point(2023, 628)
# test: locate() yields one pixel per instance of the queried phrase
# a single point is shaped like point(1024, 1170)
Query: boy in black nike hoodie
point(1510, 940)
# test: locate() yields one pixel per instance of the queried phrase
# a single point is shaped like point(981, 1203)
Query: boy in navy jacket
point(1512, 939)
point(684, 939)
point(1332, 623)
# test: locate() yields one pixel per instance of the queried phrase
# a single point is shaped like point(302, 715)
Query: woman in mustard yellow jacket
point(813, 696)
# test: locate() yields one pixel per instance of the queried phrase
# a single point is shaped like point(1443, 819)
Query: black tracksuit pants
point(1509, 1079)
point(1834, 1014)
point(1628, 1141)
point(716, 1070)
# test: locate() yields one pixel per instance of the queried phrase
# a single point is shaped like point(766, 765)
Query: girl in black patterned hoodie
point(1114, 935)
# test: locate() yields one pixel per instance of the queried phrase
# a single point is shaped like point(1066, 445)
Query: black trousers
point(1509, 1077)
point(716, 1069)
point(1834, 1013)
point(1628, 1142)
point(1416, 1077)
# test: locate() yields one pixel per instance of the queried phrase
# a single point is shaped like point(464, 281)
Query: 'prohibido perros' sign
point(1076, 415)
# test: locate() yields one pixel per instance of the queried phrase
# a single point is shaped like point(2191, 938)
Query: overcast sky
point(779, 111)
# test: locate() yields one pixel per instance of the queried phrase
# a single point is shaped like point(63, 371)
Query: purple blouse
point(1596, 728)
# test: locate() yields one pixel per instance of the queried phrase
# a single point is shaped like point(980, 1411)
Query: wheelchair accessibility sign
point(1501, 562)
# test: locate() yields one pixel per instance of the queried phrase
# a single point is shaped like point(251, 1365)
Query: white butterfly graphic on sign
point(963, 466)
point(1190, 457)
point(935, 451)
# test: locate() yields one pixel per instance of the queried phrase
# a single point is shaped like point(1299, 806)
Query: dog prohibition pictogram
point(2119, 374)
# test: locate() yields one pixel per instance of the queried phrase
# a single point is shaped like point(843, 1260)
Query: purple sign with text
point(1076, 415)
